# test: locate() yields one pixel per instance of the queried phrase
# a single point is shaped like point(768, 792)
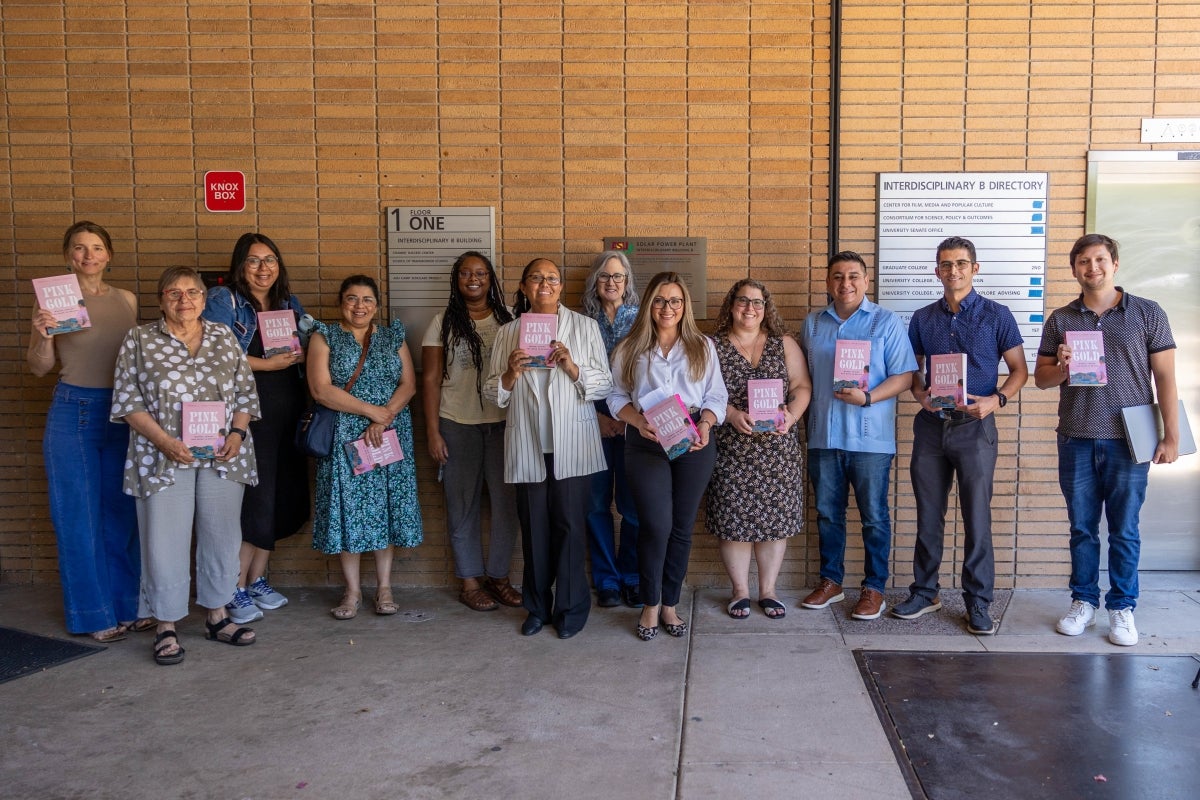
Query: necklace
point(752, 353)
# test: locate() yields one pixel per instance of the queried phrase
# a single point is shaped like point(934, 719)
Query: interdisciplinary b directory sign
point(422, 244)
point(1003, 213)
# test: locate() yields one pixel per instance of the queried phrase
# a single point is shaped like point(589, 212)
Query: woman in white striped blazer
point(551, 447)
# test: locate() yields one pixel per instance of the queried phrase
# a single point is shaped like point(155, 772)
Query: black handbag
point(314, 431)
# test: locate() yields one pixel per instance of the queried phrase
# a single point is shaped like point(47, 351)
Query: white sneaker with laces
point(1081, 617)
point(1121, 630)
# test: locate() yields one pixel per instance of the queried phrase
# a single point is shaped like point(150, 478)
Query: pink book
point(203, 427)
point(278, 332)
point(851, 364)
point(765, 404)
point(948, 380)
point(537, 332)
point(62, 297)
point(364, 458)
point(676, 431)
point(1087, 367)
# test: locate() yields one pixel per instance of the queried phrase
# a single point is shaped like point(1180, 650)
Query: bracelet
point(240, 432)
point(867, 404)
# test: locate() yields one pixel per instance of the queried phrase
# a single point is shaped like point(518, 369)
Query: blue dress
point(360, 513)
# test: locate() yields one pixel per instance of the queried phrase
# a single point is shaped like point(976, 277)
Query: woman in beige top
point(94, 523)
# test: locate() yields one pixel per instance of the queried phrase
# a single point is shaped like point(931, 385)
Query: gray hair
point(591, 302)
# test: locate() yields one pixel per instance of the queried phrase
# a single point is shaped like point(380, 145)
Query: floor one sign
point(1003, 213)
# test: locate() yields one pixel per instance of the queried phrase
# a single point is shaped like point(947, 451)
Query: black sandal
point(217, 633)
point(161, 644)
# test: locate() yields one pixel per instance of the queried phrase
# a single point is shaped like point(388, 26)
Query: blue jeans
point(1095, 474)
point(833, 472)
point(99, 564)
point(613, 566)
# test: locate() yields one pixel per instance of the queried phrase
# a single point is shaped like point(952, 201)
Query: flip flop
point(109, 635)
point(142, 624)
point(772, 608)
point(736, 607)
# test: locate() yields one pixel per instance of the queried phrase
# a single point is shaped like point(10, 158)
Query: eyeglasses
point(675, 303)
point(611, 277)
point(175, 295)
point(253, 262)
point(549, 280)
point(467, 274)
point(961, 265)
point(757, 303)
point(353, 300)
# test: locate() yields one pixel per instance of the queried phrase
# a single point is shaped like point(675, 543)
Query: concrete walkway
point(443, 702)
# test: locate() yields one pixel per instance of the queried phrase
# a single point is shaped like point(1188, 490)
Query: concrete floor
point(443, 702)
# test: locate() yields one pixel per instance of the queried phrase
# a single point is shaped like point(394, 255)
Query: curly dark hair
point(772, 323)
point(457, 324)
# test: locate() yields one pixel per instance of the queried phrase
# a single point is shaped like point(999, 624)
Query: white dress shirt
point(672, 374)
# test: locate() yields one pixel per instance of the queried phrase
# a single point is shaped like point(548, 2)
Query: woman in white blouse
point(663, 355)
point(551, 447)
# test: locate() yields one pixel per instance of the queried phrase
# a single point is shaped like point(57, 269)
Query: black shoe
point(631, 595)
point(565, 633)
point(608, 598)
point(531, 625)
point(979, 620)
point(915, 606)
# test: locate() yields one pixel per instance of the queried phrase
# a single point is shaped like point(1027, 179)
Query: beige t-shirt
point(461, 402)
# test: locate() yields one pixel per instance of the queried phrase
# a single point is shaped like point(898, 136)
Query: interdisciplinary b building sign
point(422, 244)
point(1003, 213)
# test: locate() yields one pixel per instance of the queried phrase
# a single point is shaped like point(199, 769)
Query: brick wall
point(575, 120)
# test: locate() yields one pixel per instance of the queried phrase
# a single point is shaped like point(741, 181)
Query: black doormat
point(1039, 725)
point(22, 653)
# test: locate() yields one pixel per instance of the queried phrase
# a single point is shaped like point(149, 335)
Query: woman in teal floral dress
point(377, 510)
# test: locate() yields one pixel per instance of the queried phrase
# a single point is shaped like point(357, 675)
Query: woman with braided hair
point(465, 431)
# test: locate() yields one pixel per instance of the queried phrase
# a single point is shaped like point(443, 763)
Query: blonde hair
point(643, 336)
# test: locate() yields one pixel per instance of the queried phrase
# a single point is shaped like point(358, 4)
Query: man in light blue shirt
point(852, 432)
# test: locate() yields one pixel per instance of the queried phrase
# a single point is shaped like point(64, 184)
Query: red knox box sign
point(224, 190)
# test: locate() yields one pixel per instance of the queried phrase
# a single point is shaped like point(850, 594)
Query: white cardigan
point(576, 434)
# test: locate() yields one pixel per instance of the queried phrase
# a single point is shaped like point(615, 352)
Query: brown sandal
point(347, 609)
point(503, 591)
point(385, 606)
point(477, 600)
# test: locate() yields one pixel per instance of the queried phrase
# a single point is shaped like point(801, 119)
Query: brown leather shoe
point(825, 593)
point(502, 590)
point(870, 605)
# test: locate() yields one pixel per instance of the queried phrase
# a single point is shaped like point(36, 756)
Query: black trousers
point(667, 496)
point(553, 517)
point(942, 451)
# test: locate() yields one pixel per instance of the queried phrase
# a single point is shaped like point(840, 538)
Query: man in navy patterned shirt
point(1095, 469)
point(960, 441)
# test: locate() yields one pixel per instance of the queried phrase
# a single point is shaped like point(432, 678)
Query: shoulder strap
point(361, 360)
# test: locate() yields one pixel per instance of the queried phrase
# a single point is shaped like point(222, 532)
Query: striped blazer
point(577, 448)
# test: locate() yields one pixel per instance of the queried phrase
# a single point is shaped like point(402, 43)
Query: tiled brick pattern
point(575, 120)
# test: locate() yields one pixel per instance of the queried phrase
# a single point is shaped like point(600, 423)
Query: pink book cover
point(851, 364)
point(947, 380)
point(62, 297)
point(676, 431)
point(203, 427)
point(1087, 367)
point(364, 458)
point(537, 332)
point(765, 404)
point(279, 332)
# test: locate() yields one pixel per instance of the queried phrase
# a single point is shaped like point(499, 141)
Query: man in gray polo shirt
point(1095, 469)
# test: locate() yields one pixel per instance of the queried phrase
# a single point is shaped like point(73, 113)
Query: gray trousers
point(476, 457)
point(165, 520)
point(941, 451)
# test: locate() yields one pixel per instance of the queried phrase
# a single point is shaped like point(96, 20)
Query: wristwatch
point(1003, 399)
point(240, 432)
point(868, 396)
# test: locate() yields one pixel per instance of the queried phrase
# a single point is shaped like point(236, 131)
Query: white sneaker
point(1081, 617)
point(1121, 630)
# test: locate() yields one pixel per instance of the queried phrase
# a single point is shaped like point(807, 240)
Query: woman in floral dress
point(377, 510)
